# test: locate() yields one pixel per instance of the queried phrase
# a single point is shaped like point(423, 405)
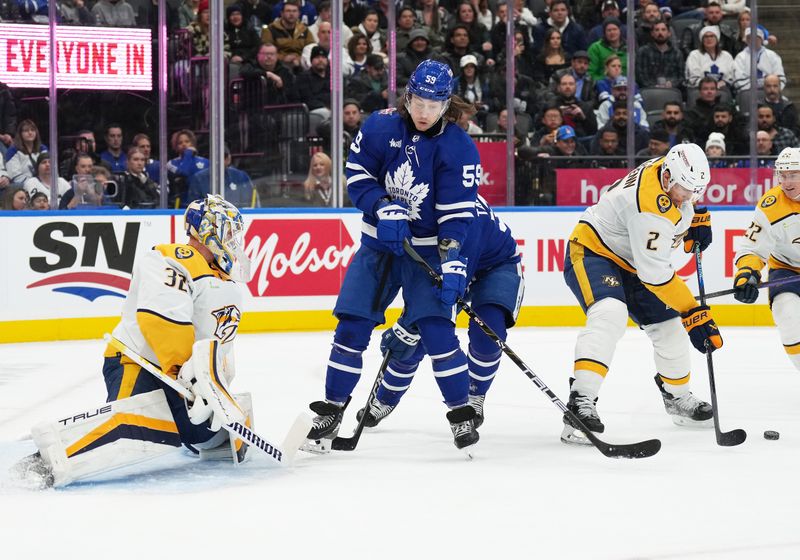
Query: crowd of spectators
point(570, 87)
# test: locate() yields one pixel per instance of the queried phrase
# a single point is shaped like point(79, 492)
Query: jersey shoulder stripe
point(776, 206)
point(651, 198)
point(189, 258)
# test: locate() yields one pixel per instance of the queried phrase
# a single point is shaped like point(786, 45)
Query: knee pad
point(671, 353)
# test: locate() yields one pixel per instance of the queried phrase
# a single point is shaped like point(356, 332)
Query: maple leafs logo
point(401, 186)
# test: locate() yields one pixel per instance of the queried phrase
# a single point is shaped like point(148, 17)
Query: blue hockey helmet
point(431, 80)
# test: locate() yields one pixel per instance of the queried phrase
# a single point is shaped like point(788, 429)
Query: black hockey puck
point(770, 434)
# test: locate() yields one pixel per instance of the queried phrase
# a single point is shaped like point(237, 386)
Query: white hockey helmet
point(218, 225)
point(787, 172)
point(688, 168)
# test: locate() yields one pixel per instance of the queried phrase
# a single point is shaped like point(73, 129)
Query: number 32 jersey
point(175, 298)
point(636, 225)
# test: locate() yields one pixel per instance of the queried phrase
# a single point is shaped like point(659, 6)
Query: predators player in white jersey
point(772, 239)
point(618, 265)
point(181, 313)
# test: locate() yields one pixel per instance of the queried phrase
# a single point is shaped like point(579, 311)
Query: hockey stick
point(737, 436)
point(350, 443)
point(772, 284)
point(628, 450)
point(282, 455)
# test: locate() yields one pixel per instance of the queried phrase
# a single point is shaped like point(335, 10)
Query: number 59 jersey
point(636, 225)
point(175, 298)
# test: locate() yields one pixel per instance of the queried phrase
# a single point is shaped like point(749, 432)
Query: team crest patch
point(183, 253)
point(228, 318)
point(768, 201)
point(610, 281)
point(664, 203)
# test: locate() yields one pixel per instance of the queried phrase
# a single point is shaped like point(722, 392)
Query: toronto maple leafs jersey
point(490, 241)
point(436, 174)
point(773, 235)
point(175, 298)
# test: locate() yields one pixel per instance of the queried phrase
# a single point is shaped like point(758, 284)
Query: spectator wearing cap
point(666, 14)
point(198, 29)
point(566, 146)
point(278, 79)
point(472, 86)
point(608, 9)
point(784, 109)
point(611, 44)
point(579, 69)
point(769, 62)
point(577, 114)
point(313, 85)
point(672, 123)
point(288, 34)
point(417, 50)
point(114, 13)
point(744, 20)
point(573, 36)
point(690, 39)
point(715, 149)
point(308, 12)
point(619, 92)
point(243, 39)
point(371, 86)
point(657, 145)
point(39, 201)
point(659, 64)
point(648, 16)
point(42, 179)
point(351, 121)
point(708, 59)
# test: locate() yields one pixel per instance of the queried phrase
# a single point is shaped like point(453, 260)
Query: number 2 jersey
point(435, 173)
point(175, 298)
point(636, 225)
point(774, 234)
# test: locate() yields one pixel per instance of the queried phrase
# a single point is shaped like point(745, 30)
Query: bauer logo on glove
point(703, 331)
point(699, 232)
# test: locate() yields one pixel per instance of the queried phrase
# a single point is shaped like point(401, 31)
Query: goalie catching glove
point(702, 329)
point(204, 375)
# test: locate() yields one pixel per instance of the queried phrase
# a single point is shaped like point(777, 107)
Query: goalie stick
point(638, 450)
point(774, 283)
point(282, 455)
point(737, 436)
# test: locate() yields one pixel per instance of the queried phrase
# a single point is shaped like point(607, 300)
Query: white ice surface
point(406, 490)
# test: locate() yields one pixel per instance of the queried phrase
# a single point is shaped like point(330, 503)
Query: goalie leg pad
point(671, 354)
point(786, 312)
point(606, 320)
point(115, 435)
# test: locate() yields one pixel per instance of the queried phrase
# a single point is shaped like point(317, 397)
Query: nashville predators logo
point(610, 281)
point(664, 203)
point(768, 201)
point(228, 318)
point(183, 253)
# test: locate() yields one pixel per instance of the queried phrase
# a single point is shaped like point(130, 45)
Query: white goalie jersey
point(175, 298)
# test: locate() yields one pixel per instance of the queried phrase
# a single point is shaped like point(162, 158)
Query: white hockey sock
point(671, 353)
point(786, 312)
point(605, 324)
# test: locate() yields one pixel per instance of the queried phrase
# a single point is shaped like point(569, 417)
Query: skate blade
point(689, 423)
point(317, 446)
point(573, 436)
point(469, 451)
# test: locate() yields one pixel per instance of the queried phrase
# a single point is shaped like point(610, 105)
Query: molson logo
point(298, 257)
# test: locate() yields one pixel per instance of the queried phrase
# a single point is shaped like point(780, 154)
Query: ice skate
point(476, 402)
point(325, 428)
point(686, 409)
point(585, 408)
point(376, 412)
point(465, 435)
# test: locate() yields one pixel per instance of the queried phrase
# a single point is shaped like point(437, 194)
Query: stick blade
point(345, 443)
point(296, 436)
point(640, 450)
point(732, 438)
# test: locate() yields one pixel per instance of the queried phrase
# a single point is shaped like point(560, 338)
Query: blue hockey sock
point(484, 354)
point(345, 362)
point(452, 376)
point(396, 380)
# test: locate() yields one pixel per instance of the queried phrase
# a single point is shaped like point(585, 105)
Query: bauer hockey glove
point(393, 226)
point(746, 285)
point(400, 342)
point(699, 231)
point(454, 279)
point(702, 329)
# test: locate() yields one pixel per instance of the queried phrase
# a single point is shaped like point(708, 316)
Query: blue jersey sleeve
point(458, 177)
point(364, 165)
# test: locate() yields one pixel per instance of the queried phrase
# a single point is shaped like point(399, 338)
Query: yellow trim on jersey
point(119, 419)
point(792, 349)
point(753, 262)
point(130, 374)
point(650, 195)
point(674, 293)
point(775, 263)
point(682, 381)
point(776, 206)
point(586, 364)
point(190, 258)
point(171, 342)
point(576, 252)
point(584, 234)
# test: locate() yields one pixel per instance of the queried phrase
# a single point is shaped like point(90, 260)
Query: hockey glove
point(699, 231)
point(400, 342)
point(454, 279)
point(746, 285)
point(393, 225)
point(702, 329)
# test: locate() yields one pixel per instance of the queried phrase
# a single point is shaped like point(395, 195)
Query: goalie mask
point(787, 172)
point(219, 226)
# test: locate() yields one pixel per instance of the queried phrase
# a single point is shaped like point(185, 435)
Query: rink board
point(69, 272)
